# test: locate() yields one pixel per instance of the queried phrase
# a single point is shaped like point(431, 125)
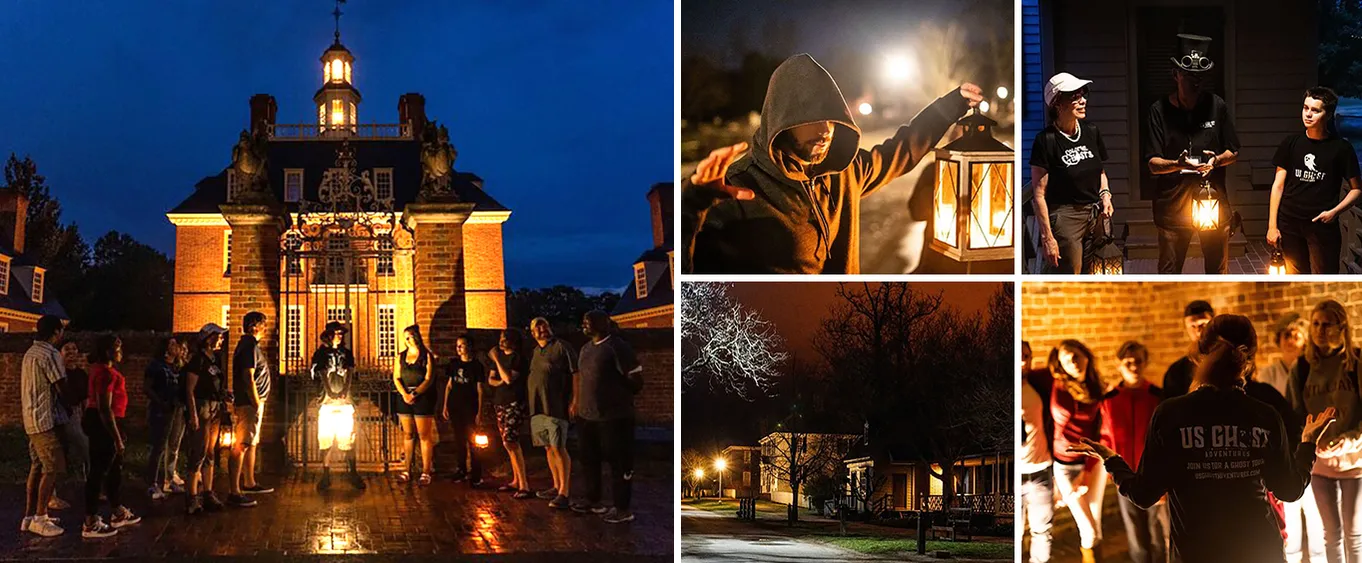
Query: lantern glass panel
point(991, 208)
point(945, 202)
point(1206, 213)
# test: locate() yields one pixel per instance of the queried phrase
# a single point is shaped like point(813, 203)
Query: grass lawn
point(887, 546)
point(765, 508)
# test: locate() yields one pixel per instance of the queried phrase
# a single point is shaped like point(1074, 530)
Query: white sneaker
point(23, 526)
point(155, 493)
point(44, 527)
point(97, 530)
point(176, 480)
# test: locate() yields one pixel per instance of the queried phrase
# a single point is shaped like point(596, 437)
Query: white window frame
point(293, 241)
point(387, 335)
point(641, 280)
point(346, 318)
point(226, 316)
point(383, 263)
point(4, 274)
point(293, 193)
point(379, 174)
point(293, 335)
point(39, 281)
point(227, 253)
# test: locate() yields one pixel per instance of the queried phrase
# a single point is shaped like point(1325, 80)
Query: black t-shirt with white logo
point(1172, 130)
point(1315, 172)
point(1073, 166)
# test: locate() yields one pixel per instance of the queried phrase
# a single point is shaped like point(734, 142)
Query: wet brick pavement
point(389, 520)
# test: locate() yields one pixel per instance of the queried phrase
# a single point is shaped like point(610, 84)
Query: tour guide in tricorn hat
point(1190, 139)
point(334, 366)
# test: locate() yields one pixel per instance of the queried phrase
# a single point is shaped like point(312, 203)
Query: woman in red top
point(1075, 403)
point(107, 404)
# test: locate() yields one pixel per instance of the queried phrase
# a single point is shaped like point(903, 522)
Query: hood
point(802, 92)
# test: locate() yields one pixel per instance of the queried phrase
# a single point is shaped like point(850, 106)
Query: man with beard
point(333, 365)
point(603, 398)
point(793, 205)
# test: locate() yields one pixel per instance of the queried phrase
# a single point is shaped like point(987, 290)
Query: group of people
point(1228, 461)
point(74, 419)
point(1189, 140)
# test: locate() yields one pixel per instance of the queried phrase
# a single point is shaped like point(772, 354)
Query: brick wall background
point(1103, 315)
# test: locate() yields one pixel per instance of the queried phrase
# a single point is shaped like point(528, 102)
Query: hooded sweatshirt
point(1313, 388)
point(803, 219)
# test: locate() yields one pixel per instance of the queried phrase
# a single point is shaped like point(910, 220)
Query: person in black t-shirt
point(1311, 169)
point(463, 408)
point(1177, 381)
point(511, 367)
point(1070, 185)
point(1216, 453)
point(1189, 140)
point(333, 367)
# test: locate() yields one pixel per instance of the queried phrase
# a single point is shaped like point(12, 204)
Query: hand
point(1107, 209)
point(1325, 217)
point(1274, 235)
point(1092, 449)
point(1049, 250)
point(1316, 425)
point(477, 419)
point(1207, 163)
point(710, 172)
point(972, 92)
point(193, 421)
point(445, 413)
point(572, 409)
point(410, 398)
point(118, 446)
point(1184, 163)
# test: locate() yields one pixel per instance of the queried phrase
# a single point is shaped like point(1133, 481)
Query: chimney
point(660, 205)
point(262, 111)
point(411, 108)
point(13, 219)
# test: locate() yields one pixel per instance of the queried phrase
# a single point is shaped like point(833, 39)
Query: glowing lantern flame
point(480, 440)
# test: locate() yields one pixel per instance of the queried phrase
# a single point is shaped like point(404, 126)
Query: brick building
point(649, 300)
point(23, 282)
point(353, 222)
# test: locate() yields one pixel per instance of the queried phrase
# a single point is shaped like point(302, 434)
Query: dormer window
point(641, 280)
point(293, 185)
point(383, 182)
point(39, 275)
point(4, 275)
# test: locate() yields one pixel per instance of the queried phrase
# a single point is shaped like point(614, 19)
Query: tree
point(130, 287)
point(562, 305)
point(1340, 52)
point(797, 456)
point(727, 344)
point(54, 245)
point(692, 459)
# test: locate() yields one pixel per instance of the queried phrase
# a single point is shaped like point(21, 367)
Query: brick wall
point(1103, 315)
point(484, 275)
point(439, 278)
point(200, 288)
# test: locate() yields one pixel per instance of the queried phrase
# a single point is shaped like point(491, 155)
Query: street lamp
point(721, 464)
point(899, 68)
point(699, 475)
point(865, 108)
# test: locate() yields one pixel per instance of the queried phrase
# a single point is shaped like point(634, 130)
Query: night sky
point(796, 309)
point(564, 109)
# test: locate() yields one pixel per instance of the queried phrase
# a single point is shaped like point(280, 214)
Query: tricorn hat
point(1193, 53)
point(331, 329)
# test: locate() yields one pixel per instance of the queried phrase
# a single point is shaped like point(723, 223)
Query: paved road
point(707, 536)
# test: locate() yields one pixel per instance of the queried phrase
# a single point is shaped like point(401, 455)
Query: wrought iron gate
point(345, 257)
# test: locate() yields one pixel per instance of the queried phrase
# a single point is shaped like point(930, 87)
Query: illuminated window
point(337, 70)
point(293, 332)
point(347, 74)
point(321, 115)
point(4, 275)
point(338, 314)
point(387, 331)
point(293, 264)
point(383, 182)
point(293, 185)
point(353, 115)
point(336, 260)
point(383, 266)
point(337, 112)
point(227, 253)
point(38, 277)
point(641, 280)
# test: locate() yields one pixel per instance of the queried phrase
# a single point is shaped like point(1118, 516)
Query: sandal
point(425, 479)
point(403, 477)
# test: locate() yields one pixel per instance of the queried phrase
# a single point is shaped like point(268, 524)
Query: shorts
point(247, 427)
point(336, 426)
point(510, 417)
point(45, 450)
point(548, 431)
point(424, 406)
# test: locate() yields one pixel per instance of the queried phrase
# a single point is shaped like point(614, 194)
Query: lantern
point(1206, 208)
point(972, 201)
point(1278, 265)
point(480, 440)
point(1108, 259)
point(225, 439)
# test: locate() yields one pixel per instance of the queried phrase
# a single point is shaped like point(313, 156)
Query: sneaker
point(559, 501)
point(97, 530)
point(459, 476)
point(598, 509)
point(617, 516)
point(522, 495)
point(45, 527)
point(23, 524)
point(123, 517)
point(357, 482)
point(176, 480)
point(211, 502)
point(240, 501)
point(257, 489)
point(174, 489)
point(325, 482)
point(581, 507)
point(507, 488)
point(194, 505)
point(56, 503)
point(547, 494)
point(155, 493)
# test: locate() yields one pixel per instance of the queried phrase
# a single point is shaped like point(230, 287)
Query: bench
point(952, 523)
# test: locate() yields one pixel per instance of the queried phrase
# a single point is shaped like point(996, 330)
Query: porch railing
point(983, 504)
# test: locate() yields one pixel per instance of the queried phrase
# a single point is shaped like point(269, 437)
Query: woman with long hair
point(1326, 378)
point(104, 409)
point(1217, 453)
point(511, 367)
point(416, 387)
point(1075, 406)
point(1070, 196)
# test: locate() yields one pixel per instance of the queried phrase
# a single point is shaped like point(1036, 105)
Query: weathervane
point(337, 12)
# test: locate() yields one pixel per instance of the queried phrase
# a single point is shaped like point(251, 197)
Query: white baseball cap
point(1062, 82)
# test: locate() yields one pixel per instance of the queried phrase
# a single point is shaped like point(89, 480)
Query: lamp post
point(721, 464)
point(699, 475)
